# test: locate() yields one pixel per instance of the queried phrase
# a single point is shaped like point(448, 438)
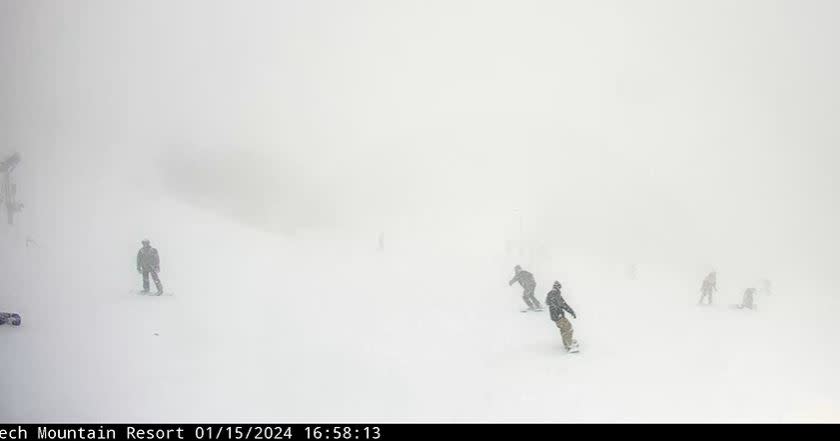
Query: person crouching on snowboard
point(148, 262)
point(557, 307)
point(747, 302)
point(526, 280)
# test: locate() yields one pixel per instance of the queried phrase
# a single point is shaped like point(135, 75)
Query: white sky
point(692, 129)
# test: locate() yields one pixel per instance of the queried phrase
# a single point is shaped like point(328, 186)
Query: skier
point(709, 287)
point(148, 262)
point(557, 307)
point(526, 279)
point(747, 303)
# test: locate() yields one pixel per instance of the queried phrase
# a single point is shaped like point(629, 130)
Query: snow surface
point(320, 326)
point(264, 327)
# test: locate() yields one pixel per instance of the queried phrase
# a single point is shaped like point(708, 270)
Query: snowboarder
point(709, 287)
point(148, 262)
point(747, 302)
point(558, 307)
point(526, 280)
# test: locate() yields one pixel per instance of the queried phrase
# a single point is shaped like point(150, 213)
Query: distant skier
point(526, 280)
point(709, 287)
point(557, 307)
point(148, 262)
point(747, 302)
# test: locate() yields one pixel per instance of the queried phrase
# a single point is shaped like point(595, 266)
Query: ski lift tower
point(9, 189)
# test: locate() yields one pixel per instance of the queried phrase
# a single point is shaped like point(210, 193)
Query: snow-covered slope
point(324, 328)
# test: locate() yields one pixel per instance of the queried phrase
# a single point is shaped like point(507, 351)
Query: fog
point(682, 136)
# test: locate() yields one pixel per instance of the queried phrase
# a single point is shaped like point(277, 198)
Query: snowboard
point(575, 348)
point(9, 318)
point(152, 293)
point(531, 310)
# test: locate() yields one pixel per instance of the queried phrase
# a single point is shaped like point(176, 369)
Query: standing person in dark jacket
point(557, 307)
point(709, 287)
point(148, 262)
point(526, 280)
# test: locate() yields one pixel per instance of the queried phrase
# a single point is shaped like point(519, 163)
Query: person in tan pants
point(558, 307)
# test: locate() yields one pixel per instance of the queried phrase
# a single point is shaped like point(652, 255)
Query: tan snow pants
point(566, 331)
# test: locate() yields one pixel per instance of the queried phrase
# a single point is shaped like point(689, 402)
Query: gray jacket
point(525, 278)
point(148, 259)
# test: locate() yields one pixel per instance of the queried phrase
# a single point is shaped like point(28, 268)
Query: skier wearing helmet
point(148, 262)
point(526, 280)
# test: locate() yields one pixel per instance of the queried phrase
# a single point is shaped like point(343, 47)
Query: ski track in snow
point(263, 328)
